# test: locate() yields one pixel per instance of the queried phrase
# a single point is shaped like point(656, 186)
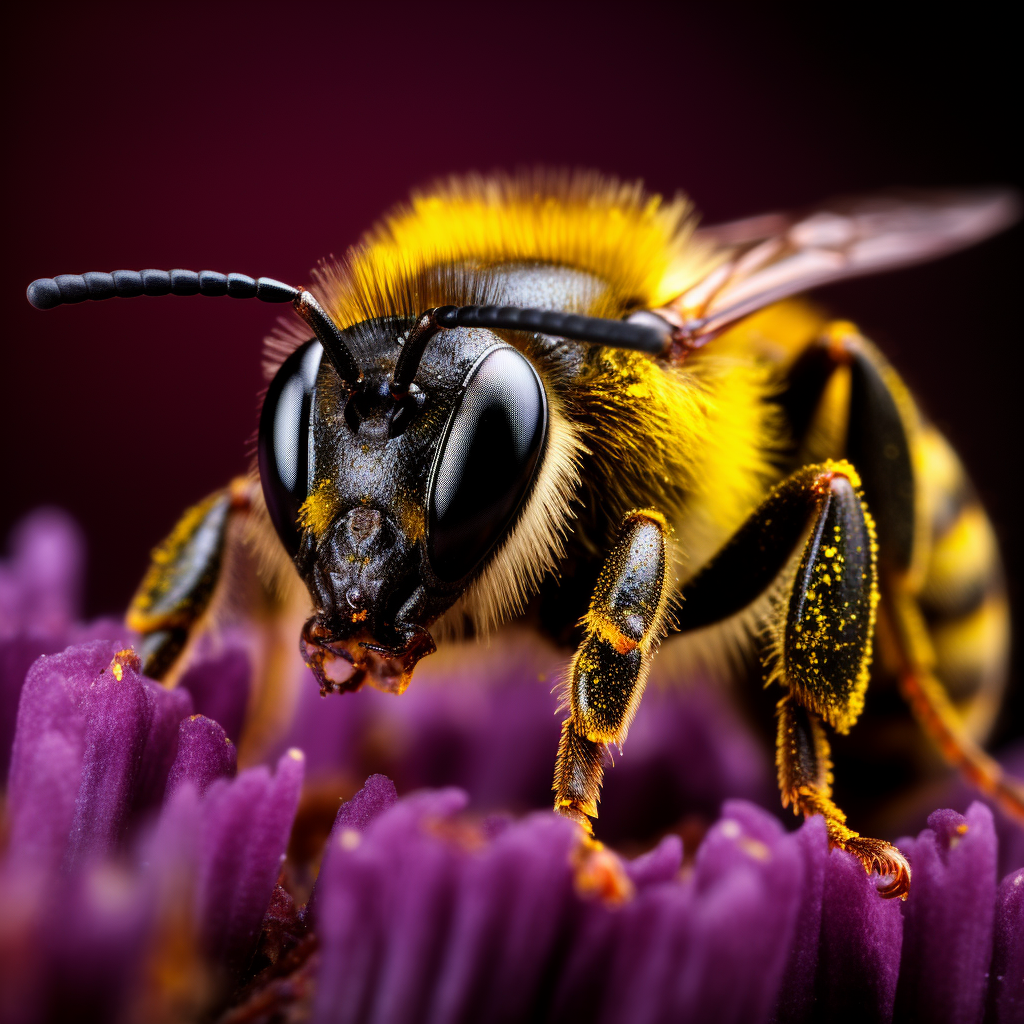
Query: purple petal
point(796, 993)
point(219, 685)
point(506, 911)
point(748, 879)
point(659, 865)
point(947, 932)
point(356, 901)
point(363, 883)
point(417, 908)
point(247, 824)
point(532, 861)
point(17, 654)
point(376, 796)
point(355, 815)
point(204, 755)
point(170, 851)
point(170, 709)
point(421, 918)
point(1006, 989)
point(41, 584)
point(89, 740)
point(350, 932)
point(648, 941)
point(71, 947)
point(859, 956)
point(93, 941)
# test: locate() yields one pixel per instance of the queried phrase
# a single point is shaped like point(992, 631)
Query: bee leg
point(880, 420)
point(177, 590)
point(607, 676)
point(805, 782)
point(931, 706)
point(821, 630)
point(822, 654)
point(882, 432)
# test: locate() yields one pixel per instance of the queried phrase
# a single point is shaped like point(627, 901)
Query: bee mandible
point(555, 399)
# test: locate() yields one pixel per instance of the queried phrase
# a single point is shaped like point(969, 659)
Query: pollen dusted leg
point(183, 576)
point(805, 782)
point(821, 631)
point(607, 675)
point(938, 575)
point(205, 575)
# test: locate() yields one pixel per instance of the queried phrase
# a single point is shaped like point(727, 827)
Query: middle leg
point(821, 627)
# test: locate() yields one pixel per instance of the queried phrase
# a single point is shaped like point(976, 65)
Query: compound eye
point(486, 462)
point(284, 440)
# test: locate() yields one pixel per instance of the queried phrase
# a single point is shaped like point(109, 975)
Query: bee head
point(390, 494)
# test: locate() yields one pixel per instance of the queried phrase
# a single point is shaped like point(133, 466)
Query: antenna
point(644, 332)
point(49, 292)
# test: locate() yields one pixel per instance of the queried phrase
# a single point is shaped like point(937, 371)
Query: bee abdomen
point(963, 594)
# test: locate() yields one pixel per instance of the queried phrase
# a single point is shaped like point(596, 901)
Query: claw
point(878, 855)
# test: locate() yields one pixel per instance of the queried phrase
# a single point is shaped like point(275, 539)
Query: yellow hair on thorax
point(701, 441)
point(641, 247)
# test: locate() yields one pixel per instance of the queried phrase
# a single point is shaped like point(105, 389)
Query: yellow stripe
point(962, 560)
point(969, 648)
point(941, 471)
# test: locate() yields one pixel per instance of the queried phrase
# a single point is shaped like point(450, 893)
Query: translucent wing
point(777, 255)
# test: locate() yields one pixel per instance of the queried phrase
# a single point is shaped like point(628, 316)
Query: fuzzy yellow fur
point(640, 246)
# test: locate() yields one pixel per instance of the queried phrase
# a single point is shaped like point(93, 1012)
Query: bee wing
point(773, 256)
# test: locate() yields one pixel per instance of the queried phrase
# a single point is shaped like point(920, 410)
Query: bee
point(556, 399)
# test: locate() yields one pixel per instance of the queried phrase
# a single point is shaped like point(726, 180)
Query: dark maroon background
point(261, 138)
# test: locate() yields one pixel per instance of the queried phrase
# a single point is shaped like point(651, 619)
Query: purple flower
point(41, 582)
point(204, 755)
point(947, 938)
point(484, 718)
point(40, 588)
point(142, 878)
point(93, 744)
point(1006, 986)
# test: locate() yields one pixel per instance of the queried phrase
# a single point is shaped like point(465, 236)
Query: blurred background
point(260, 138)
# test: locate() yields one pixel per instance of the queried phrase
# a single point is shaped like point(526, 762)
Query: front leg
point(607, 676)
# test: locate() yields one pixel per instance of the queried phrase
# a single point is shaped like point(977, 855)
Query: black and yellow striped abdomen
point(962, 594)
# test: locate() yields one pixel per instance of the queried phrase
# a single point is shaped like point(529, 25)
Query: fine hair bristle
point(433, 250)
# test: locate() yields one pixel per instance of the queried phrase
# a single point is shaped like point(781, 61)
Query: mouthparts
point(343, 665)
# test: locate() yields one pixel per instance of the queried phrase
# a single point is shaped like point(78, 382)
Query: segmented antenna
point(649, 335)
point(644, 332)
point(641, 337)
point(48, 292)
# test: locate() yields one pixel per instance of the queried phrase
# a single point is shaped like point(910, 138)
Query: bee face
point(391, 506)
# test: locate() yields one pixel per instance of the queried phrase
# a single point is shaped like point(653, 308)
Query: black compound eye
point(284, 448)
point(486, 463)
